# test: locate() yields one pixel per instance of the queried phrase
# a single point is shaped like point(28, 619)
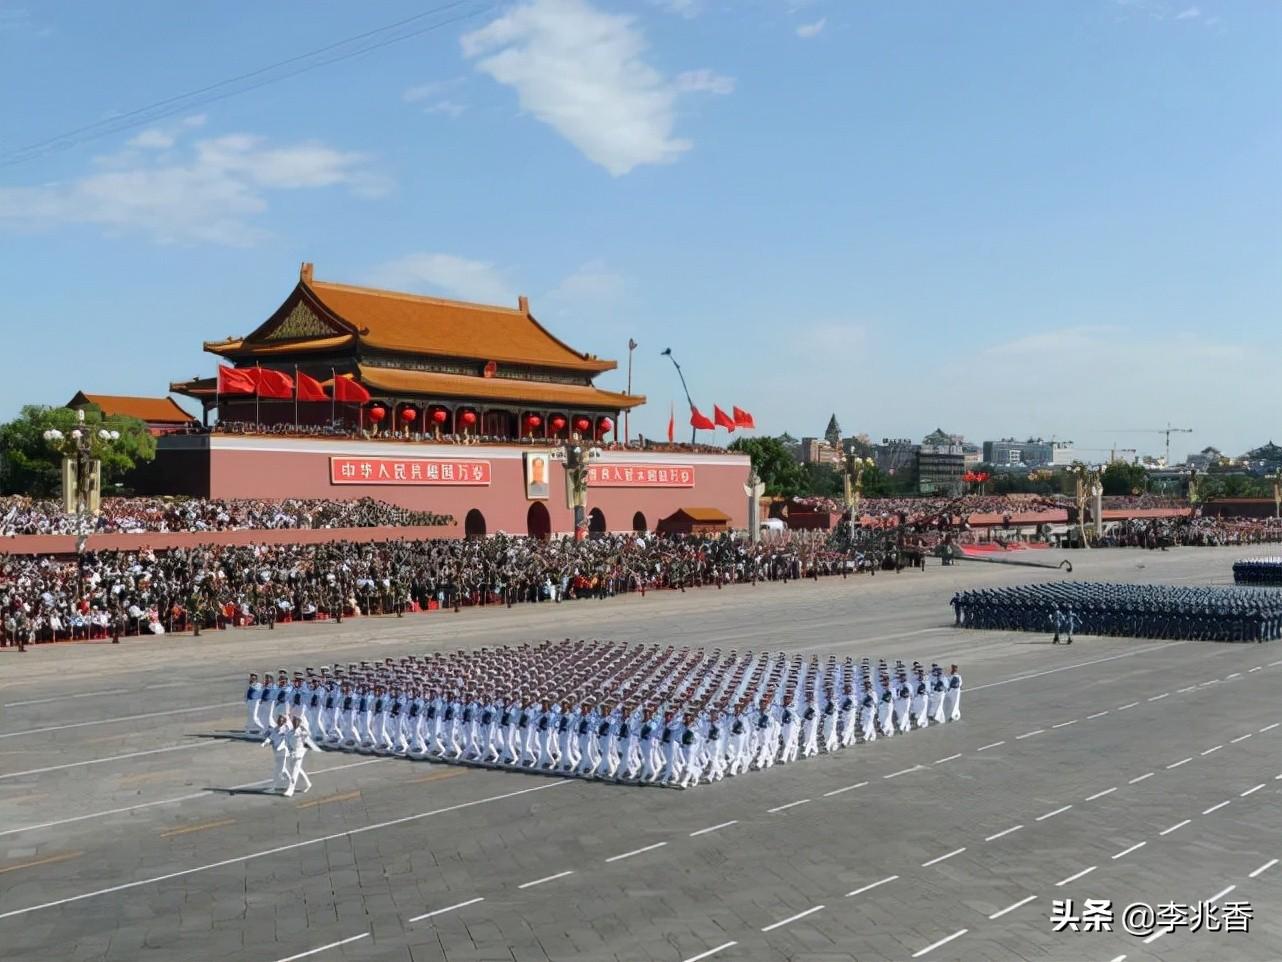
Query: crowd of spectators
point(145, 591)
point(26, 516)
point(1162, 532)
point(639, 444)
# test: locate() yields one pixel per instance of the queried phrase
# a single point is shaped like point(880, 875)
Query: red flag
point(743, 419)
point(700, 420)
point(347, 389)
point(309, 389)
point(672, 423)
point(234, 381)
point(723, 420)
point(271, 383)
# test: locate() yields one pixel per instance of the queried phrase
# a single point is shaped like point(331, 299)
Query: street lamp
point(1086, 485)
point(853, 482)
point(82, 449)
point(577, 460)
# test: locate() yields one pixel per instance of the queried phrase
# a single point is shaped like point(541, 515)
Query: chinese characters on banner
point(641, 476)
point(408, 471)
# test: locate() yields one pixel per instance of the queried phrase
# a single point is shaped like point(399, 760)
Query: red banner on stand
point(432, 471)
point(641, 476)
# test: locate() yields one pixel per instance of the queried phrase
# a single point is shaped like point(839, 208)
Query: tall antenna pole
point(667, 352)
point(627, 429)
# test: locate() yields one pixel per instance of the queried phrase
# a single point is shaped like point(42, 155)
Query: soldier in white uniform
point(253, 702)
point(952, 696)
point(298, 739)
point(276, 741)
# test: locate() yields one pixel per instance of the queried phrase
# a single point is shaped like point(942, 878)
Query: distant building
point(1033, 453)
point(1266, 459)
point(941, 462)
point(1204, 459)
point(973, 454)
point(895, 456)
point(161, 414)
point(818, 451)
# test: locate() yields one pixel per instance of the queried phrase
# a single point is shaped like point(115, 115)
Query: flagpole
point(257, 390)
point(627, 429)
point(668, 353)
point(295, 397)
point(333, 397)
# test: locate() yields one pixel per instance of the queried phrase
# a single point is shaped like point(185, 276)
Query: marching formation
point(1198, 613)
point(1258, 571)
point(629, 713)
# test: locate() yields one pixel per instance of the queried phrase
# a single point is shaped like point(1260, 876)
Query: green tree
point(29, 466)
point(774, 465)
point(821, 481)
point(1120, 478)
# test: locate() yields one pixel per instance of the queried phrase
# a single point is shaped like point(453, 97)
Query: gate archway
point(538, 522)
point(596, 521)
point(474, 524)
point(638, 523)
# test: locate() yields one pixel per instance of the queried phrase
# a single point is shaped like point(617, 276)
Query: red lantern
point(603, 426)
point(377, 413)
point(408, 415)
point(468, 418)
point(581, 424)
point(439, 415)
point(557, 422)
point(532, 421)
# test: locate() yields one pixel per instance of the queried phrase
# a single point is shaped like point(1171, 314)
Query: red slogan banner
point(641, 476)
point(408, 471)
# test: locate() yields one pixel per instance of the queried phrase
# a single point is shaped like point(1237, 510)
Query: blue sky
point(998, 218)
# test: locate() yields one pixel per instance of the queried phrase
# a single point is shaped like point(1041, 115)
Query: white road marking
point(1135, 781)
point(1064, 808)
point(891, 878)
point(713, 828)
point(1098, 714)
point(783, 808)
point(1213, 681)
point(1107, 791)
point(902, 771)
point(1182, 761)
point(190, 746)
point(172, 801)
point(1264, 868)
point(1219, 895)
point(1165, 694)
point(1015, 828)
point(1274, 664)
point(1240, 738)
point(848, 788)
point(793, 918)
point(984, 748)
point(710, 952)
point(1120, 958)
point(1074, 878)
point(1215, 749)
point(1155, 936)
point(292, 846)
point(1236, 674)
point(943, 941)
point(1011, 908)
point(121, 718)
point(636, 851)
point(1189, 688)
point(1269, 728)
point(41, 701)
point(934, 861)
point(448, 908)
point(1177, 825)
point(1251, 791)
point(1065, 724)
point(1124, 707)
point(1257, 668)
point(325, 948)
point(1036, 731)
point(1128, 851)
point(940, 761)
point(548, 878)
point(1080, 664)
point(1215, 808)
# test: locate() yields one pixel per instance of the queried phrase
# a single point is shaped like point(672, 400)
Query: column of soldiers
point(669, 716)
point(1200, 612)
point(1258, 571)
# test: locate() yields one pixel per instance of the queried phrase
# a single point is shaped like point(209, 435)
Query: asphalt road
point(1120, 769)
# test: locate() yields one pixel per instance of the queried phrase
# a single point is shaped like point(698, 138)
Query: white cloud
point(1192, 13)
point(704, 81)
point(211, 194)
point(807, 30)
point(432, 95)
point(448, 275)
point(682, 8)
point(582, 71)
point(593, 282)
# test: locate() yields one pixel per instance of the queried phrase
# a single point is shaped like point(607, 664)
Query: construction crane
point(1168, 431)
